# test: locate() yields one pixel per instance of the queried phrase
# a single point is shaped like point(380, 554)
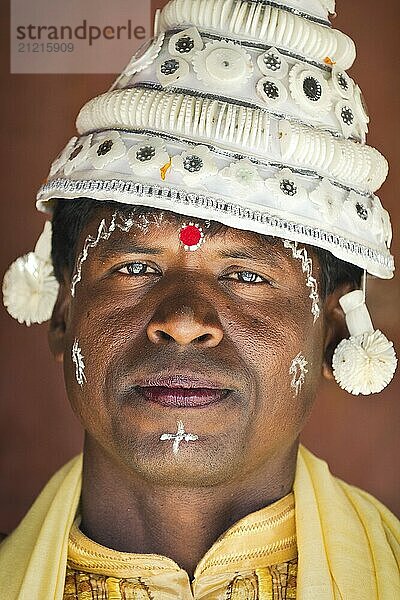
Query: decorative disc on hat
point(195, 165)
point(242, 176)
point(223, 63)
point(273, 63)
point(310, 90)
point(286, 186)
point(272, 91)
point(327, 198)
point(148, 157)
point(108, 148)
point(185, 43)
point(78, 154)
point(342, 83)
point(346, 116)
point(172, 69)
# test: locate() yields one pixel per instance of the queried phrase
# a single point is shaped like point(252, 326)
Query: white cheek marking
point(178, 437)
point(77, 359)
point(298, 370)
point(307, 267)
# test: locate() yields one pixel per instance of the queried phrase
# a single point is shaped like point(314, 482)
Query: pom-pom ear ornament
point(366, 362)
point(29, 287)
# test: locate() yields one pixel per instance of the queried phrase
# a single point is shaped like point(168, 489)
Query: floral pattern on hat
point(106, 149)
point(342, 83)
point(271, 91)
point(346, 115)
point(310, 90)
point(380, 224)
point(148, 156)
point(327, 198)
point(78, 154)
point(195, 165)
point(286, 186)
point(242, 176)
point(273, 64)
point(185, 43)
point(359, 209)
point(171, 70)
point(145, 56)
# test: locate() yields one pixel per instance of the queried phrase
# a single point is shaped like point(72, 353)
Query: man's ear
point(59, 321)
point(335, 326)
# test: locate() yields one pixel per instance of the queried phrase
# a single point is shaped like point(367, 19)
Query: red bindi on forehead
point(191, 236)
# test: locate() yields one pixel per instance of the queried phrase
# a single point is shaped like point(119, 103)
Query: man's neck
point(123, 512)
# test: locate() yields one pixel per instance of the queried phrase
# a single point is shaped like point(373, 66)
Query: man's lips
point(182, 397)
point(181, 391)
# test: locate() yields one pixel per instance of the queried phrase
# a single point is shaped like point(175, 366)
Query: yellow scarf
point(348, 542)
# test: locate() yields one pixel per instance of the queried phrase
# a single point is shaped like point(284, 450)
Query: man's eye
point(137, 268)
point(246, 277)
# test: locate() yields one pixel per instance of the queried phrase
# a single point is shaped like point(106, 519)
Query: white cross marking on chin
point(178, 437)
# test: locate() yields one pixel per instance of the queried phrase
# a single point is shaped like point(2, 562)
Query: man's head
point(264, 139)
point(230, 323)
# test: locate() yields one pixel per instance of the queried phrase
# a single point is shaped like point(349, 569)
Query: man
point(212, 228)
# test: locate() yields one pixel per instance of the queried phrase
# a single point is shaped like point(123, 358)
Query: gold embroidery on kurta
point(243, 588)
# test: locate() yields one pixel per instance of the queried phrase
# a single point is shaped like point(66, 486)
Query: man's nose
point(193, 322)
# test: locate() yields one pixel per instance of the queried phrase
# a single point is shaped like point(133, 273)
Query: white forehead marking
point(298, 370)
point(178, 437)
point(77, 359)
point(143, 221)
point(307, 267)
point(118, 221)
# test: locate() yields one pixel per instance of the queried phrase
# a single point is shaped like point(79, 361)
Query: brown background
point(358, 436)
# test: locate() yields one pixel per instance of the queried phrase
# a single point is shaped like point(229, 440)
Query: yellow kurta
point(348, 543)
point(255, 559)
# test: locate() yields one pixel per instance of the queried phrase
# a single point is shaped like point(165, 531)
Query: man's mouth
point(181, 391)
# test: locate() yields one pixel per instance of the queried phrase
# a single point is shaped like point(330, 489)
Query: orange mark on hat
point(164, 169)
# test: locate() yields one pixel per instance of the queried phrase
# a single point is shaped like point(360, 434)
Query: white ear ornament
point(29, 287)
point(365, 362)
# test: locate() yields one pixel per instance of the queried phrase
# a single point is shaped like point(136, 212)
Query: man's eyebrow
point(257, 253)
point(116, 247)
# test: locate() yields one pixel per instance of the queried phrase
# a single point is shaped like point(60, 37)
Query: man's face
point(207, 338)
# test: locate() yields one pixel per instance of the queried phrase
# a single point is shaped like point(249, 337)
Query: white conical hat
point(239, 111)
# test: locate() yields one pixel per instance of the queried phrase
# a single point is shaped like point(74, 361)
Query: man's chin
point(206, 462)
